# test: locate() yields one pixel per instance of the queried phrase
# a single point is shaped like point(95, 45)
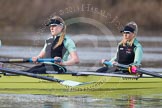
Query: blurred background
point(93, 24)
point(30, 15)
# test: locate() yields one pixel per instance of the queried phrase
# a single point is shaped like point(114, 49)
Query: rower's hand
point(58, 60)
point(107, 63)
point(34, 59)
point(132, 69)
point(103, 60)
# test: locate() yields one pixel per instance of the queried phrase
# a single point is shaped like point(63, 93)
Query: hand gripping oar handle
point(23, 60)
point(107, 63)
point(154, 74)
point(138, 69)
point(45, 60)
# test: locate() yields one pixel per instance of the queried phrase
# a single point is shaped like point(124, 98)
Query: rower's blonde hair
point(63, 32)
point(133, 25)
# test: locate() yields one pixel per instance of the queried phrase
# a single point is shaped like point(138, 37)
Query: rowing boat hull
point(27, 85)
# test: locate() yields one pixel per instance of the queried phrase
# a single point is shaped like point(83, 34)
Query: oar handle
point(24, 60)
point(107, 63)
point(46, 60)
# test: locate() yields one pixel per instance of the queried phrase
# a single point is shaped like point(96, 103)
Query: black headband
point(54, 22)
point(127, 29)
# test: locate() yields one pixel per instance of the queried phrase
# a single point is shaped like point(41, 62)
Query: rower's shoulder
point(137, 43)
point(69, 43)
point(68, 39)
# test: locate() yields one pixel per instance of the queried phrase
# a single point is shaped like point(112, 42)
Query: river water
point(49, 101)
point(91, 49)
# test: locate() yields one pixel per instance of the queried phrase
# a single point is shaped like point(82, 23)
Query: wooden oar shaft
point(24, 60)
point(13, 60)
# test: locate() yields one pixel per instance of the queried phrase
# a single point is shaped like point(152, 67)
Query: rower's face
point(55, 29)
point(128, 36)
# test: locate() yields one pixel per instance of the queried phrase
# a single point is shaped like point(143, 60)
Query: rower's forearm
point(138, 56)
point(41, 54)
point(70, 62)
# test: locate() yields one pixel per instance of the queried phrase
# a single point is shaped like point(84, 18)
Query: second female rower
point(129, 50)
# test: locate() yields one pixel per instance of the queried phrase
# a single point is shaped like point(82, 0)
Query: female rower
point(58, 46)
point(129, 50)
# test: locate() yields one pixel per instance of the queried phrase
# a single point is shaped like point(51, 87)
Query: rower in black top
point(129, 50)
point(58, 47)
